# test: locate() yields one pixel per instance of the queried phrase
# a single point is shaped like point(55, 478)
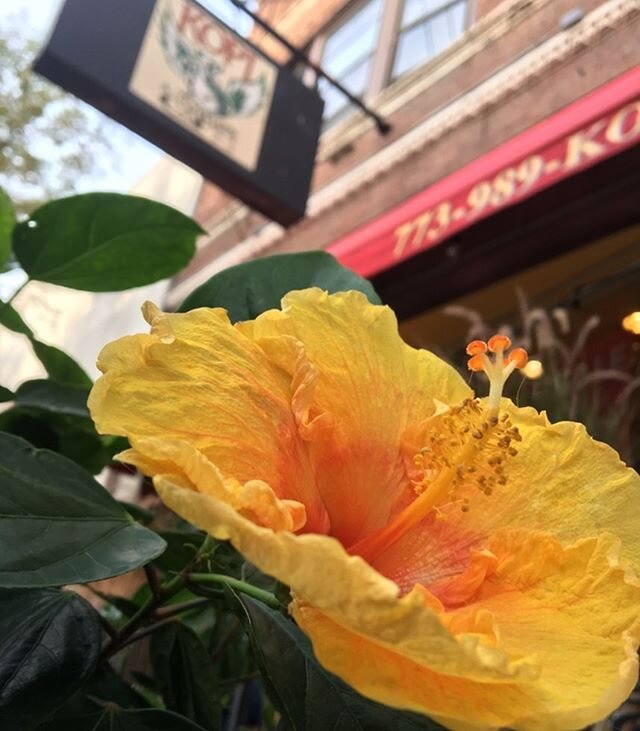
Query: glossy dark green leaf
point(6, 395)
point(7, 222)
point(113, 718)
point(54, 416)
point(59, 365)
point(145, 720)
point(185, 674)
point(137, 512)
point(104, 242)
point(310, 698)
point(75, 531)
point(49, 643)
point(86, 706)
point(12, 320)
point(59, 398)
point(73, 437)
point(249, 289)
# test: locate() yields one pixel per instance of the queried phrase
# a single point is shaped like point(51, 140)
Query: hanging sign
point(178, 76)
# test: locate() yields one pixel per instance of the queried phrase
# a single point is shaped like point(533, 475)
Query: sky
point(131, 156)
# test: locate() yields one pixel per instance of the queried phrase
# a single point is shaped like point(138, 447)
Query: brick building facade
point(514, 64)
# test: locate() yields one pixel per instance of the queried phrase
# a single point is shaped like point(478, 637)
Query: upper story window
point(427, 27)
point(377, 41)
point(228, 13)
point(347, 55)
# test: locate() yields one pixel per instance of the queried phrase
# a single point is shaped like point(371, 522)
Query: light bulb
point(632, 323)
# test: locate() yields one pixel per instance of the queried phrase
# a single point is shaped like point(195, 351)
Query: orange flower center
point(468, 448)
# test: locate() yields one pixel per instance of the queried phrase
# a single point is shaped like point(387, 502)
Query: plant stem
point(152, 580)
point(242, 586)
point(108, 627)
point(173, 609)
point(146, 631)
point(131, 630)
point(165, 591)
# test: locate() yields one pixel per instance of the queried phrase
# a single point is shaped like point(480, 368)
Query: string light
point(632, 323)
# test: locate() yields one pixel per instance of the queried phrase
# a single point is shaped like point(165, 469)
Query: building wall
point(483, 7)
point(512, 68)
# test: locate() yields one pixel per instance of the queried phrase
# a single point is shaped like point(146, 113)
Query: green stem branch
point(173, 609)
point(242, 586)
point(166, 591)
point(145, 632)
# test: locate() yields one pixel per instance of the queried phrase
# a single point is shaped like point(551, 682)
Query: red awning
point(588, 131)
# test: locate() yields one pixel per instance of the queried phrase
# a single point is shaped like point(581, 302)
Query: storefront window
point(348, 56)
point(427, 27)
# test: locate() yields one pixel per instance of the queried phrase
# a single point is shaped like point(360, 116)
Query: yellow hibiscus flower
point(455, 556)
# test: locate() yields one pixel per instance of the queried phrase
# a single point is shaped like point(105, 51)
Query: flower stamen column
point(467, 446)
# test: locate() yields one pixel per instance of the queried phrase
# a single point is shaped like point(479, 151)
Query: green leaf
point(6, 395)
point(310, 698)
point(138, 513)
point(50, 396)
point(73, 437)
point(249, 289)
point(49, 642)
point(185, 674)
point(59, 365)
point(87, 704)
point(56, 417)
point(7, 222)
point(12, 320)
point(102, 242)
point(118, 719)
point(74, 530)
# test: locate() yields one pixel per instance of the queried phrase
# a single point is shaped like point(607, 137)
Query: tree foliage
point(48, 139)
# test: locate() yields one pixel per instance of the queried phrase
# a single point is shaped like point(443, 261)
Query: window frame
point(390, 79)
point(382, 60)
point(318, 45)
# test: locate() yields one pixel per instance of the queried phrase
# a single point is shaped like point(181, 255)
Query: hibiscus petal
point(366, 388)
point(565, 482)
point(578, 607)
point(254, 499)
point(346, 588)
point(196, 378)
